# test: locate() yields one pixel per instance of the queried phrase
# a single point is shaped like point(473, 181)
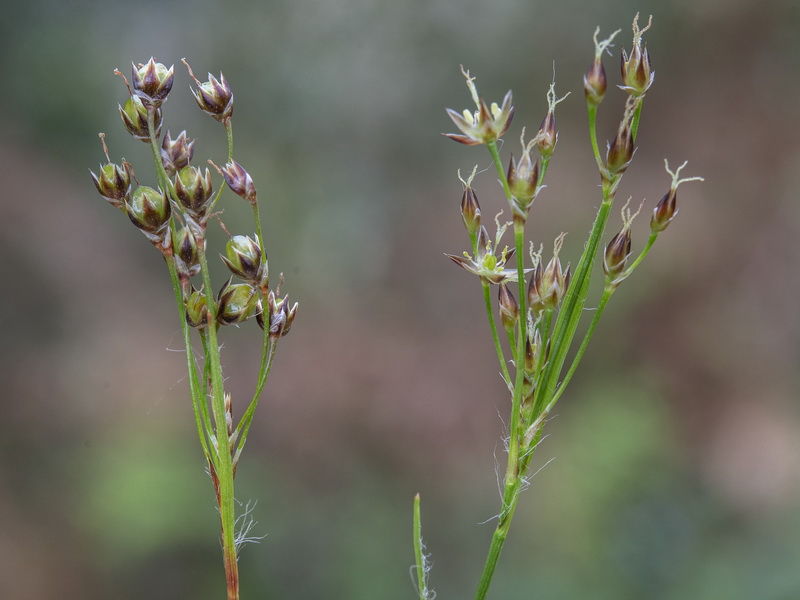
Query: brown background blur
point(677, 448)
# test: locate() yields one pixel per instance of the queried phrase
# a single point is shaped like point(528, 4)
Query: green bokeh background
point(672, 467)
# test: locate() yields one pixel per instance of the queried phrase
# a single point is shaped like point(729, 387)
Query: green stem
point(221, 460)
point(268, 354)
point(510, 500)
point(229, 133)
point(582, 349)
point(593, 135)
point(195, 389)
point(224, 461)
point(572, 306)
point(487, 297)
point(645, 251)
point(418, 557)
point(636, 116)
point(513, 476)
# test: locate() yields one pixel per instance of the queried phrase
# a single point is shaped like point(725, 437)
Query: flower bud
point(237, 303)
point(152, 82)
point(617, 253)
point(523, 177)
point(533, 352)
point(595, 83)
point(243, 257)
point(114, 182)
point(196, 309)
point(553, 283)
point(509, 309)
point(149, 209)
point(535, 302)
point(134, 116)
point(194, 190)
point(176, 154)
point(547, 136)
point(239, 181)
point(215, 97)
point(665, 211)
point(470, 210)
point(620, 152)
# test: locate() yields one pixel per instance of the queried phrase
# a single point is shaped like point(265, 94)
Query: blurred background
point(673, 463)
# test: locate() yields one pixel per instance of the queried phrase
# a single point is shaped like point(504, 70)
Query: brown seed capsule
point(194, 191)
point(237, 303)
point(196, 309)
point(134, 116)
point(215, 97)
point(149, 209)
point(152, 82)
point(184, 245)
point(176, 154)
point(243, 257)
point(114, 182)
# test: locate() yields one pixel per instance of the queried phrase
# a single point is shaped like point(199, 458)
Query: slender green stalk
point(645, 251)
point(487, 296)
point(572, 307)
point(513, 476)
point(510, 500)
point(598, 313)
point(636, 116)
point(419, 559)
point(221, 460)
point(593, 135)
point(240, 434)
point(198, 404)
point(229, 134)
point(223, 464)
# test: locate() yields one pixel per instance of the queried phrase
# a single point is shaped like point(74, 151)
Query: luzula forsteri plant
point(174, 216)
point(541, 321)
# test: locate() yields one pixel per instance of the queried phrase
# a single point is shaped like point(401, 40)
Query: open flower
point(486, 264)
point(486, 124)
point(637, 72)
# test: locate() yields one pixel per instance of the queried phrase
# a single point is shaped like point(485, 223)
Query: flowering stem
point(220, 458)
point(223, 464)
point(513, 476)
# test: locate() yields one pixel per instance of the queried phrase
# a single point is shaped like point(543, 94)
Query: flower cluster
point(174, 214)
